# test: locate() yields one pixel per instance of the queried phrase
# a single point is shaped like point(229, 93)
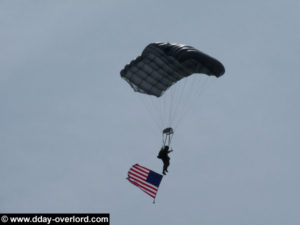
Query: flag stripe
point(144, 175)
point(147, 191)
point(143, 167)
point(144, 185)
point(152, 195)
point(140, 170)
point(135, 182)
point(142, 182)
point(137, 176)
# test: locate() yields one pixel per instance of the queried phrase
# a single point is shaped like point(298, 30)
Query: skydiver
point(163, 155)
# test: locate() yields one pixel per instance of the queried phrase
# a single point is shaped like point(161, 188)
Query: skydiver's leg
point(163, 167)
point(166, 164)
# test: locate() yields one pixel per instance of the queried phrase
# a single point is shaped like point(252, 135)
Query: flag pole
point(154, 197)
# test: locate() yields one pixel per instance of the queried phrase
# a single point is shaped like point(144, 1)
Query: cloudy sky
point(70, 127)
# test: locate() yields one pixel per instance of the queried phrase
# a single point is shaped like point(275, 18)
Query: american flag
point(147, 180)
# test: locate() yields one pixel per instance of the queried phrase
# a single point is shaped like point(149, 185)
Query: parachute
point(160, 67)
point(163, 64)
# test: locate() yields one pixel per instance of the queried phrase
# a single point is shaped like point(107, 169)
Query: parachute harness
point(167, 136)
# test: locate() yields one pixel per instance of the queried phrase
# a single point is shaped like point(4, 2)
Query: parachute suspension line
point(149, 111)
point(203, 84)
point(161, 111)
point(190, 95)
point(172, 101)
point(179, 99)
point(164, 104)
point(157, 110)
point(169, 106)
point(186, 97)
point(172, 98)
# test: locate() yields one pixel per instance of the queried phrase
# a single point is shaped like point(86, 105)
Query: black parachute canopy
point(163, 64)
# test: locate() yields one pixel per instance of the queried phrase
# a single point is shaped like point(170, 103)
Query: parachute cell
point(163, 64)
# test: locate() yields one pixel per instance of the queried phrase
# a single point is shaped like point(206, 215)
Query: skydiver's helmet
point(166, 147)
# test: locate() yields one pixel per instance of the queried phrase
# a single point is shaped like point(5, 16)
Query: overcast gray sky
point(70, 127)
